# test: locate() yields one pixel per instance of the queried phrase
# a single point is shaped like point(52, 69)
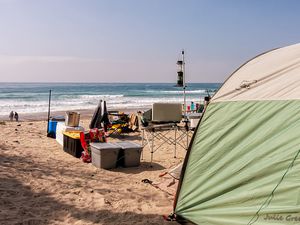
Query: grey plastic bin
point(131, 153)
point(105, 155)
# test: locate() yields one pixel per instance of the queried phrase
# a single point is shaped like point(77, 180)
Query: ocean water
point(33, 97)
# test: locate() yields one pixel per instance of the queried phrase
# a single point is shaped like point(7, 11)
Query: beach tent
point(243, 163)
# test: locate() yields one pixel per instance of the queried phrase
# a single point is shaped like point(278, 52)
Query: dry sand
point(41, 184)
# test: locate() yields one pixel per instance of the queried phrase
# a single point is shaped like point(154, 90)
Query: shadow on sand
point(20, 204)
point(144, 166)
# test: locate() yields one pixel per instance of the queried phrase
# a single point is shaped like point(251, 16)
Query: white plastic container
point(194, 119)
point(61, 127)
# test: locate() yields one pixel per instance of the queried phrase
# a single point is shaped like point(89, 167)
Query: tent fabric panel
point(240, 152)
point(270, 76)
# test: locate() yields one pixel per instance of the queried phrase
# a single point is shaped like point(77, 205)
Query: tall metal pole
point(184, 97)
point(184, 100)
point(49, 111)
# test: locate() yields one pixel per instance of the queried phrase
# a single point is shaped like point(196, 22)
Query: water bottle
point(192, 106)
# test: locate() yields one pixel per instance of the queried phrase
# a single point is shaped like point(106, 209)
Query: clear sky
point(138, 40)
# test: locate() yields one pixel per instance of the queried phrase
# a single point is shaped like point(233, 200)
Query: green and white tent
point(243, 164)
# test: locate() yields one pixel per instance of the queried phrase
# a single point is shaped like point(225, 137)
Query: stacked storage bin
point(105, 155)
point(111, 155)
point(131, 152)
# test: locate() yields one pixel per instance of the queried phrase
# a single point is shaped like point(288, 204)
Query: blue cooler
point(52, 125)
point(52, 128)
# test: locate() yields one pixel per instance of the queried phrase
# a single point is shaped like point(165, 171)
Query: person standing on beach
point(16, 116)
point(11, 115)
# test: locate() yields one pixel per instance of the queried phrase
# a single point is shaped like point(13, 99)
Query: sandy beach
point(41, 184)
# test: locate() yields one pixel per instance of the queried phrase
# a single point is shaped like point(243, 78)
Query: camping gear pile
point(113, 123)
point(91, 145)
point(121, 123)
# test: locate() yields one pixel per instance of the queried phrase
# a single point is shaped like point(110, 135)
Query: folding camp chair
point(163, 128)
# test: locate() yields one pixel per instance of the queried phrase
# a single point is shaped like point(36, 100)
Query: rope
point(270, 197)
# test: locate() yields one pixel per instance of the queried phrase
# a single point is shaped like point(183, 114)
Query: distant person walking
point(11, 115)
point(16, 116)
